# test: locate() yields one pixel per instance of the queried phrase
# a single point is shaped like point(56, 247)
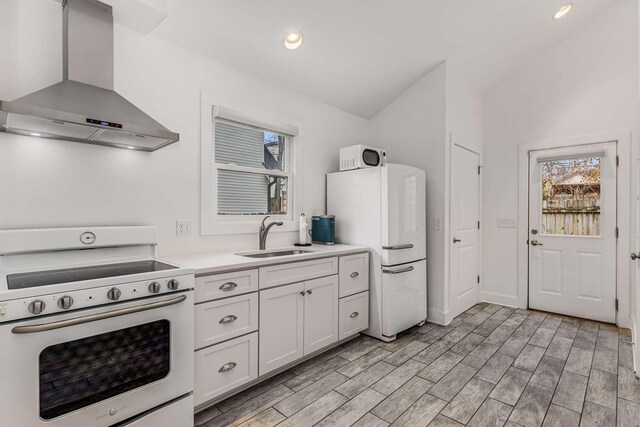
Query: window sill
point(245, 227)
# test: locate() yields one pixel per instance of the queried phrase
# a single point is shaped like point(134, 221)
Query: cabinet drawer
point(354, 314)
point(225, 366)
point(228, 318)
point(225, 285)
point(354, 274)
point(282, 274)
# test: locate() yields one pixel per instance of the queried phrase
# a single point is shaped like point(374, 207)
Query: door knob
point(456, 240)
point(634, 256)
point(536, 243)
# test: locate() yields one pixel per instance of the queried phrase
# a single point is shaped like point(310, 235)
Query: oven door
point(97, 367)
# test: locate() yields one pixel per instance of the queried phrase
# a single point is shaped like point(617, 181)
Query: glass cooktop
point(53, 277)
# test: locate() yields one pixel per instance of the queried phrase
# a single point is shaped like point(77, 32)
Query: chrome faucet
point(264, 230)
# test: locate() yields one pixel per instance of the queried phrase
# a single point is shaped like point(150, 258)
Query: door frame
point(623, 213)
point(462, 143)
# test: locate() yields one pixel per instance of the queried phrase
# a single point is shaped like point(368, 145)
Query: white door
point(636, 259)
point(464, 273)
point(320, 313)
point(281, 326)
point(403, 214)
point(572, 231)
point(404, 297)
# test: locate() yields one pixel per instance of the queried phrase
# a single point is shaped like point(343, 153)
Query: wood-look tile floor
point(492, 366)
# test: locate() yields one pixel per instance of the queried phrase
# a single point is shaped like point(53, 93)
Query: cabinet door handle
point(354, 274)
point(228, 286)
point(309, 291)
point(302, 293)
point(227, 367)
point(354, 314)
point(228, 319)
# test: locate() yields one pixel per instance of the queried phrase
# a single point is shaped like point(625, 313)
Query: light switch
point(507, 222)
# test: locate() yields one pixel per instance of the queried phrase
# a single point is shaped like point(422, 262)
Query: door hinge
point(616, 304)
point(478, 279)
point(478, 225)
point(479, 167)
point(617, 232)
point(617, 160)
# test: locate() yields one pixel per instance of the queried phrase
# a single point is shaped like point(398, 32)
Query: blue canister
point(323, 229)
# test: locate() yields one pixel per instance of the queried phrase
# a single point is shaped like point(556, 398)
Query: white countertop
point(215, 262)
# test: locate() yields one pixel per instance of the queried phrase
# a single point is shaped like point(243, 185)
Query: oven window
point(80, 373)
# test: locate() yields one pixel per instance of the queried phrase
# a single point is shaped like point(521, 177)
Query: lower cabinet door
point(354, 314)
point(225, 366)
point(281, 326)
point(320, 313)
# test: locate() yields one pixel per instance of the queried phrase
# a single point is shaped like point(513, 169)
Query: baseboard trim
point(508, 300)
point(438, 317)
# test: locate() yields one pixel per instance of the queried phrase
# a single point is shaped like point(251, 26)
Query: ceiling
point(359, 55)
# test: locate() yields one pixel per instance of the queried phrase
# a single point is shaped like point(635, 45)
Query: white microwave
point(360, 156)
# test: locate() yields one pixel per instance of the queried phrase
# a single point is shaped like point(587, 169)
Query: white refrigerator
point(384, 208)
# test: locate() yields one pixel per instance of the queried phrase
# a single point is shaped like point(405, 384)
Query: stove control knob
point(114, 294)
point(173, 284)
point(37, 306)
point(154, 287)
point(65, 302)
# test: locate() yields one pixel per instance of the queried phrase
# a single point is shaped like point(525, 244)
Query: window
point(248, 169)
point(571, 196)
point(253, 177)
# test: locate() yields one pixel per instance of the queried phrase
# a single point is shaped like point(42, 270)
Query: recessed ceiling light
point(35, 134)
point(293, 40)
point(131, 148)
point(563, 11)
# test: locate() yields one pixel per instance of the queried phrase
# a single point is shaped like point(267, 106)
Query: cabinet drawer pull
point(227, 367)
point(354, 314)
point(228, 319)
point(228, 286)
point(354, 274)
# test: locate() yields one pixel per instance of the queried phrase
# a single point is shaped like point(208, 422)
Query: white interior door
point(572, 231)
point(465, 216)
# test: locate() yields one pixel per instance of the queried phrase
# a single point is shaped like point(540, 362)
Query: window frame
point(211, 223)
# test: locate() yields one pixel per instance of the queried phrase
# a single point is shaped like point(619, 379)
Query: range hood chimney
point(84, 107)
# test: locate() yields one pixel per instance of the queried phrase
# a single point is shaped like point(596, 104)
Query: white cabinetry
point(281, 326)
point(320, 313)
point(225, 366)
point(296, 320)
point(252, 322)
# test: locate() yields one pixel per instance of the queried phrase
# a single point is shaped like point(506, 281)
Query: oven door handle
point(44, 327)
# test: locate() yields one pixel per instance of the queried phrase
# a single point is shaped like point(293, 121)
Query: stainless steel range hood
point(84, 107)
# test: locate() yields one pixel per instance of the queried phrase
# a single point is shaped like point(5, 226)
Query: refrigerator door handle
point(398, 247)
point(402, 270)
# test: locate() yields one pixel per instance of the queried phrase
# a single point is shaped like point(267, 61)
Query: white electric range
point(95, 330)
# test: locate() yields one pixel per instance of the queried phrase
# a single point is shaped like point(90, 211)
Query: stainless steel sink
point(270, 254)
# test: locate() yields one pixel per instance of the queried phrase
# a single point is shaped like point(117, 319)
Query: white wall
point(49, 183)
point(465, 121)
point(415, 129)
point(412, 129)
point(585, 85)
